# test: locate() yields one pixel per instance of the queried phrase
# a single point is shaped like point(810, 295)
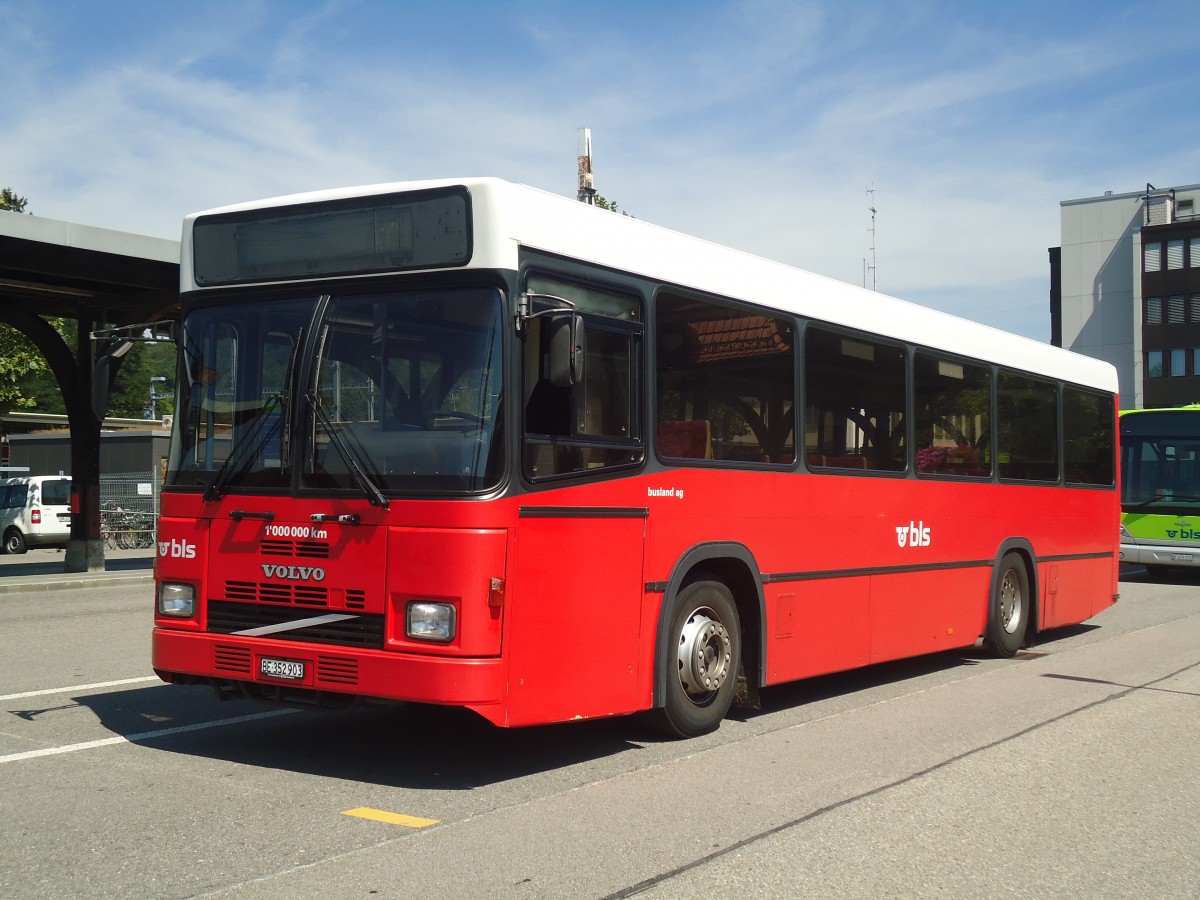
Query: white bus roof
point(507, 216)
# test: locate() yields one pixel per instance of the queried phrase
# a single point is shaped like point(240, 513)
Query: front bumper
point(1160, 555)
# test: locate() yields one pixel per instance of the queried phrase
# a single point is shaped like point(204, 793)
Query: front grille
point(363, 630)
point(233, 660)
point(337, 670)
point(299, 549)
point(277, 592)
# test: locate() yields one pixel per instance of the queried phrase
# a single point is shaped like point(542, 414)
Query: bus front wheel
point(701, 660)
point(1008, 616)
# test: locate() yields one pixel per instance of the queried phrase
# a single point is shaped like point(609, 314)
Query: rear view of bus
point(1160, 487)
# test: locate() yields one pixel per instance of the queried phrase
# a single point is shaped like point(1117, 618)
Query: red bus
point(473, 444)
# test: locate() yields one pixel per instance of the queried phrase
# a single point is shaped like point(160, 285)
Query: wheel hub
point(704, 653)
point(1011, 602)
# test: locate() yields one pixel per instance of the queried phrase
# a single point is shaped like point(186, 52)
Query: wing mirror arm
point(568, 343)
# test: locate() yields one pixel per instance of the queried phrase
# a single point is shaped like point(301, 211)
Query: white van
point(35, 511)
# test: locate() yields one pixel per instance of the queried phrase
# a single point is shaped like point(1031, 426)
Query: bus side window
point(855, 389)
point(1027, 426)
point(725, 383)
point(590, 425)
point(953, 418)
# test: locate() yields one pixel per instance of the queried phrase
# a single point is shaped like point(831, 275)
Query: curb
point(75, 583)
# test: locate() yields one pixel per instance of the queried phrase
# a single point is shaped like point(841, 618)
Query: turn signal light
point(496, 593)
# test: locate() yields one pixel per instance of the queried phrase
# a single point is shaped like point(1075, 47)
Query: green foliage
point(129, 393)
point(20, 361)
point(610, 205)
point(32, 386)
point(10, 201)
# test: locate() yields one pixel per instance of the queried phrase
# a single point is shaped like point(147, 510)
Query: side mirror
point(568, 349)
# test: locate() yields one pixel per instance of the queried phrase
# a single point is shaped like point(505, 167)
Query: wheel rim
point(1012, 603)
point(705, 652)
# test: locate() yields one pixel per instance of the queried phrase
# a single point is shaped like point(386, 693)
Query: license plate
point(288, 669)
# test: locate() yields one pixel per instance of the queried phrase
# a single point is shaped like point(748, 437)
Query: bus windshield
point(395, 392)
point(1160, 472)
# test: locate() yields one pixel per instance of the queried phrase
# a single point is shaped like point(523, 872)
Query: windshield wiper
point(366, 485)
point(1153, 500)
point(239, 453)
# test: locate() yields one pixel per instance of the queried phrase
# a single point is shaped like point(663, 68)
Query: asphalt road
point(1070, 771)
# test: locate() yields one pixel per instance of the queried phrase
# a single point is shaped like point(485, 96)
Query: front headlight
point(430, 621)
point(176, 600)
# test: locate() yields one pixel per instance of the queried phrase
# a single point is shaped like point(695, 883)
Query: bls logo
point(177, 549)
point(912, 535)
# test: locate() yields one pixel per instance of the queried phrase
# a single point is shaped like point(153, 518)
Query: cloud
point(760, 125)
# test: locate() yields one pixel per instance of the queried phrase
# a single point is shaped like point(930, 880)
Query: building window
point(1196, 359)
point(1175, 254)
point(1194, 310)
point(1152, 257)
point(1194, 252)
point(1178, 363)
point(1176, 307)
point(1154, 364)
point(1153, 314)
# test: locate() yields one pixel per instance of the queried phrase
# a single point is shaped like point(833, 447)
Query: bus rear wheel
point(700, 661)
point(1008, 615)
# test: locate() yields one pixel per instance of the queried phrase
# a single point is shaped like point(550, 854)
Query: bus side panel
point(816, 627)
point(1074, 590)
point(927, 612)
point(574, 616)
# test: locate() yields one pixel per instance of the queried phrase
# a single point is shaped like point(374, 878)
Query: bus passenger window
point(1027, 423)
point(855, 402)
point(953, 417)
point(725, 383)
point(1088, 433)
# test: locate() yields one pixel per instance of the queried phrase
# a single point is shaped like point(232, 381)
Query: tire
point(14, 541)
point(699, 661)
point(1008, 614)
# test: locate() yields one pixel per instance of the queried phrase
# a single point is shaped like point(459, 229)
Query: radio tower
point(587, 190)
point(871, 231)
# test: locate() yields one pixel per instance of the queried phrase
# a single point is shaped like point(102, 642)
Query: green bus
point(1160, 487)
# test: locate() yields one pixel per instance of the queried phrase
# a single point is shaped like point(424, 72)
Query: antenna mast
point(587, 190)
point(871, 231)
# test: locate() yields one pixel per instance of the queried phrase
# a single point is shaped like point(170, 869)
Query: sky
point(772, 126)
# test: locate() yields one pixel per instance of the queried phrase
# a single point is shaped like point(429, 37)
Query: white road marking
point(80, 687)
point(144, 736)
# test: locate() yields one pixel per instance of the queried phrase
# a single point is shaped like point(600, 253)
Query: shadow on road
point(420, 747)
point(407, 746)
point(1188, 575)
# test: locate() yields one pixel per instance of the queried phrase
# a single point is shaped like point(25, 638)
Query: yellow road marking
point(391, 818)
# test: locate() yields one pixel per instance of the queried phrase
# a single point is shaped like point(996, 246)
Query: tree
point(19, 361)
point(10, 201)
point(610, 205)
